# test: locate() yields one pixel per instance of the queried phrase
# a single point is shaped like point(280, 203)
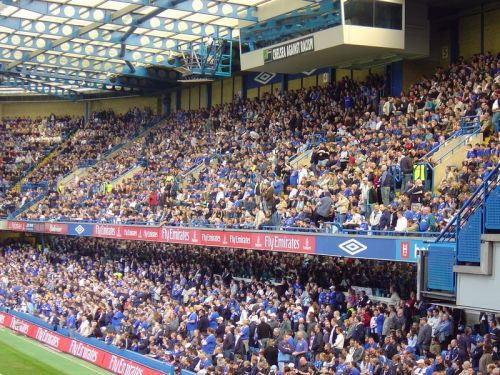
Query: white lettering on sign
point(290, 49)
point(19, 326)
point(275, 242)
point(47, 337)
point(122, 367)
point(170, 234)
point(82, 351)
point(210, 237)
point(239, 240)
point(102, 230)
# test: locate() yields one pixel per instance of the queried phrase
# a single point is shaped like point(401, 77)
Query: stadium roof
point(69, 47)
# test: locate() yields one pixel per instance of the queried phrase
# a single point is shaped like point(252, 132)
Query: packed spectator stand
point(78, 142)
point(248, 180)
point(241, 312)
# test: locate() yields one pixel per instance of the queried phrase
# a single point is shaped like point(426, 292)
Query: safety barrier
point(395, 247)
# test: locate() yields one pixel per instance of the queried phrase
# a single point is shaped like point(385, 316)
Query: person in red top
point(153, 200)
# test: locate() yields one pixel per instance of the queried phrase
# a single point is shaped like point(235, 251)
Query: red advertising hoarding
point(56, 228)
point(19, 226)
point(89, 353)
point(238, 239)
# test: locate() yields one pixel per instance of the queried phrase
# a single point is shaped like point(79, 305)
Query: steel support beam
point(154, 23)
point(39, 87)
point(211, 8)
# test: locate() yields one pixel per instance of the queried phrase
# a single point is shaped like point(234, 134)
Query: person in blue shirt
point(341, 367)
point(212, 318)
point(321, 297)
point(46, 308)
point(351, 369)
point(71, 320)
point(208, 344)
point(192, 322)
point(117, 319)
point(427, 221)
point(301, 346)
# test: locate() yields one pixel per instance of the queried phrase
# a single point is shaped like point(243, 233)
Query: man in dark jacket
point(386, 183)
point(264, 333)
point(385, 219)
point(406, 165)
point(229, 343)
point(424, 336)
point(239, 345)
point(359, 330)
point(316, 342)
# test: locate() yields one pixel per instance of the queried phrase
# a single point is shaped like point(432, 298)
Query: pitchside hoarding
point(102, 358)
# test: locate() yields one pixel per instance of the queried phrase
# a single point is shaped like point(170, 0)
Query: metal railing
point(468, 124)
point(325, 228)
point(469, 131)
point(475, 202)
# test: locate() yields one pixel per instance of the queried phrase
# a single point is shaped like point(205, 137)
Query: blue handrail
point(475, 201)
point(468, 125)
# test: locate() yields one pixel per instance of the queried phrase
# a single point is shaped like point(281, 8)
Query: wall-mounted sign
point(444, 52)
point(284, 51)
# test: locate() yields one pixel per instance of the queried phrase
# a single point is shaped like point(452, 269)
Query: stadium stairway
point(194, 173)
point(54, 152)
point(85, 168)
point(465, 257)
point(127, 174)
point(431, 169)
point(301, 159)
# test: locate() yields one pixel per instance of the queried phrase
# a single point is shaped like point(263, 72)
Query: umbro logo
point(264, 78)
point(309, 72)
point(352, 247)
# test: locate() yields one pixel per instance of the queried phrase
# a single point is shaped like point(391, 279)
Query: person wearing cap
point(419, 368)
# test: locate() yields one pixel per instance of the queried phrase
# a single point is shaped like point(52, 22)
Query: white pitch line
point(69, 358)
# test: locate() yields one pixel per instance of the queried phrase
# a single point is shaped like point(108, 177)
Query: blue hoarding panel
point(80, 229)
point(400, 249)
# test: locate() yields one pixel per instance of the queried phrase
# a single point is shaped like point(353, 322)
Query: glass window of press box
point(374, 13)
point(301, 22)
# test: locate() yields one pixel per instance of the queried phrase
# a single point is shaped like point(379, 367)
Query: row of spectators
point(250, 180)
point(242, 312)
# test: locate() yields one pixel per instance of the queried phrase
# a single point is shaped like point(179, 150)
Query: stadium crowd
point(248, 178)
point(242, 312)
point(25, 141)
point(102, 131)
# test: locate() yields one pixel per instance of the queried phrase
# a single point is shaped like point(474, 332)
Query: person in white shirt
point(401, 224)
point(434, 320)
point(375, 216)
point(84, 328)
point(339, 341)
